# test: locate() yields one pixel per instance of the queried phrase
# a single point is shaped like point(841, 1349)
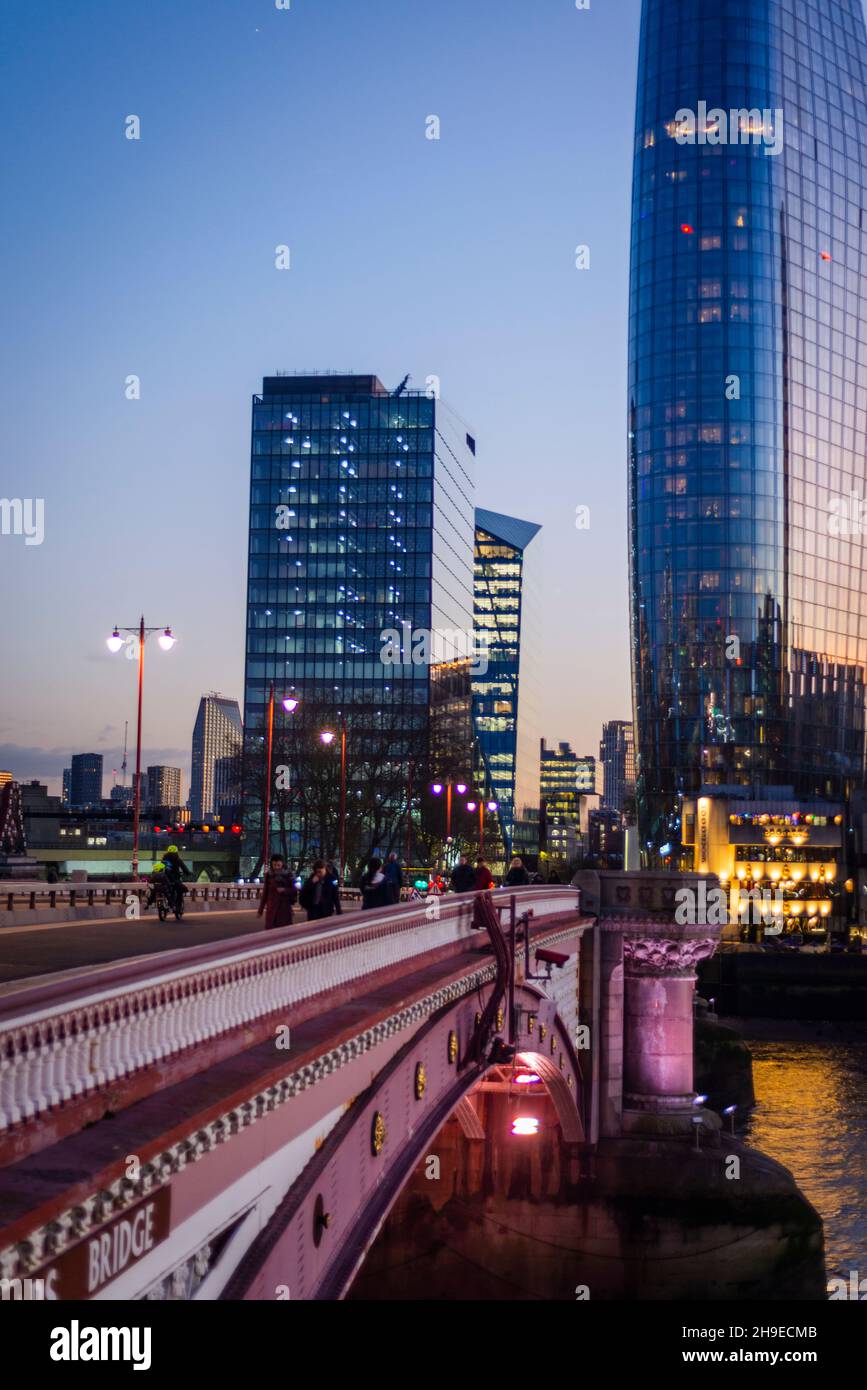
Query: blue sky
point(155, 257)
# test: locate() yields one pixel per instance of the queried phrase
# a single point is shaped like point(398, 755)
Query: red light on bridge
point(525, 1124)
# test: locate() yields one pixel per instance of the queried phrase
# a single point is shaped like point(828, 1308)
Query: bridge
point(237, 1119)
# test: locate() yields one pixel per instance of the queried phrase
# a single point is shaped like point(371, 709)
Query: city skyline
point(500, 314)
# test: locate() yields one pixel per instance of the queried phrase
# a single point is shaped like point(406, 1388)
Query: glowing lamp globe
point(114, 642)
point(166, 640)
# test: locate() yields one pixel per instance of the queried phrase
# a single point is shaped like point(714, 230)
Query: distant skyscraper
point(747, 401)
point(617, 756)
point(217, 734)
point(162, 787)
point(85, 779)
point(507, 695)
point(361, 540)
point(66, 794)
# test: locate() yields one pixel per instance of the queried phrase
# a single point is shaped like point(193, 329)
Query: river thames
point(811, 1115)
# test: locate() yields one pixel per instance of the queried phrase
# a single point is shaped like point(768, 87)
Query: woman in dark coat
point(374, 886)
point(278, 895)
point(517, 877)
point(321, 893)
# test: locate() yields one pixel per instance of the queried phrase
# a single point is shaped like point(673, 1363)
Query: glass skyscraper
point(361, 542)
point(507, 694)
point(216, 734)
point(748, 401)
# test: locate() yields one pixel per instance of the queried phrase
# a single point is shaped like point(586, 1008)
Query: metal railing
point(67, 1037)
point(33, 896)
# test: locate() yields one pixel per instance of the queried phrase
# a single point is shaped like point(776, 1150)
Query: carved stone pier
point(648, 972)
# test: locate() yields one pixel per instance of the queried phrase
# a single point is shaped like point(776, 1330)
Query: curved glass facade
point(748, 401)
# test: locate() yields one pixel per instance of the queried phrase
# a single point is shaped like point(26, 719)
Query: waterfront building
point(747, 404)
point(792, 851)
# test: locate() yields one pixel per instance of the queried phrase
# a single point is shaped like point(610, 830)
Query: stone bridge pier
point(647, 975)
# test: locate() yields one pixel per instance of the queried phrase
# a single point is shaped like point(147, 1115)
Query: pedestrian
point(278, 894)
point(393, 877)
point(517, 877)
point(463, 876)
point(320, 895)
point(374, 885)
point(483, 879)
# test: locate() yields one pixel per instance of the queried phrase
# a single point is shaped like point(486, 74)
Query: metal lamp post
point(327, 737)
point(290, 704)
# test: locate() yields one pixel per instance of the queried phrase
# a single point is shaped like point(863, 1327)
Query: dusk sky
point(155, 258)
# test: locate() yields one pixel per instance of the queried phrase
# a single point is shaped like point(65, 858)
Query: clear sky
point(155, 258)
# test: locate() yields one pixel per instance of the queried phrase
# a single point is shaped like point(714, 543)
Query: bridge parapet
point(67, 1044)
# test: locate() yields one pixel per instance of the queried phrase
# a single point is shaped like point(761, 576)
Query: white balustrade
point(79, 1036)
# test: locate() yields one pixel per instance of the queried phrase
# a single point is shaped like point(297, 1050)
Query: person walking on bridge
point(278, 894)
point(320, 896)
point(463, 876)
point(374, 886)
point(517, 877)
point(484, 881)
point(393, 877)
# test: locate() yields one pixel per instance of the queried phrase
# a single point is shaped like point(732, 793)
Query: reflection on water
point(811, 1115)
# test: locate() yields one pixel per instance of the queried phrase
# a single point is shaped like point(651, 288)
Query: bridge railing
point(68, 1037)
point(15, 896)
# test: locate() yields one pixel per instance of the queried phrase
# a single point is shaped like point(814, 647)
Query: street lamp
point(327, 737)
point(290, 704)
point(114, 644)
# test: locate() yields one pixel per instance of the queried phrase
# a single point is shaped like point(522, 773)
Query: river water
point(811, 1115)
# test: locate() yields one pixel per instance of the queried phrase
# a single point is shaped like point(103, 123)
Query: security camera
point(552, 958)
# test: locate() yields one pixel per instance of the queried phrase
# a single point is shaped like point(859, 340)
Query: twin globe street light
point(472, 806)
point(114, 643)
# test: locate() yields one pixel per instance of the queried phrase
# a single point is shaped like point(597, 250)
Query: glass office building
point(361, 541)
point(507, 694)
point(748, 401)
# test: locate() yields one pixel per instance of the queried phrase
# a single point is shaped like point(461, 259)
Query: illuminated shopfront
point(788, 856)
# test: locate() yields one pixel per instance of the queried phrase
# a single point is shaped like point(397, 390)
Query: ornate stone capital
point(666, 955)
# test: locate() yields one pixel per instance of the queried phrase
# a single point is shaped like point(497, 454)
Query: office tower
point(5, 778)
point(227, 786)
point(217, 734)
point(507, 693)
point(162, 788)
point(85, 779)
point(66, 794)
point(747, 400)
point(560, 800)
point(606, 839)
point(359, 582)
point(617, 758)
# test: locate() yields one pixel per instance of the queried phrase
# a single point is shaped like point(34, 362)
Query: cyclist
point(175, 869)
point(157, 881)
